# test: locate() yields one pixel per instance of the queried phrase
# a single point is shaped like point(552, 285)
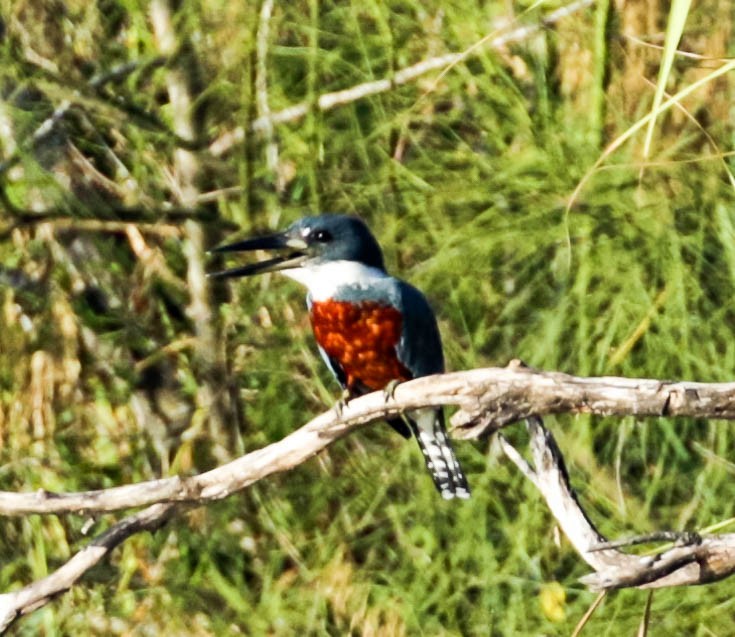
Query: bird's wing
point(420, 347)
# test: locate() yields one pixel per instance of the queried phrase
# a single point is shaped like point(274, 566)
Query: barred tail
point(428, 427)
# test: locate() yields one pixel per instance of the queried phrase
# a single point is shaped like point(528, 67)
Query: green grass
point(466, 182)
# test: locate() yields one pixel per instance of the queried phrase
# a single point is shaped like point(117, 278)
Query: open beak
point(294, 255)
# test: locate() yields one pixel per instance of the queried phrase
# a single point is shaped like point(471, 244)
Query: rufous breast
point(362, 337)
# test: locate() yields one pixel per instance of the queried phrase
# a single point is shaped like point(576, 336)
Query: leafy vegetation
point(465, 176)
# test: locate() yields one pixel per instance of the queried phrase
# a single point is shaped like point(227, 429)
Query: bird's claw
point(390, 389)
point(340, 405)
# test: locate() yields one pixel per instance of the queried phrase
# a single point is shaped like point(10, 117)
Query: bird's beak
point(294, 255)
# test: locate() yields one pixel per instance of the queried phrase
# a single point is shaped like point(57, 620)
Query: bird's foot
point(340, 405)
point(390, 389)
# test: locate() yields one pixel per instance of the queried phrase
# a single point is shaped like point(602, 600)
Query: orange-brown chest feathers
point(362, 337)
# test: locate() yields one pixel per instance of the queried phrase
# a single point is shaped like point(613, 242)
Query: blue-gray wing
point(420, 347)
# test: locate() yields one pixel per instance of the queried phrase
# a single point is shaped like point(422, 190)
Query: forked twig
point(702, 559)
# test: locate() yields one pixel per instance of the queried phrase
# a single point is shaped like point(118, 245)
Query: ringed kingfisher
point(372, 329)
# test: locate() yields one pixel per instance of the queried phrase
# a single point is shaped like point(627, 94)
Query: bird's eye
point(322, 236)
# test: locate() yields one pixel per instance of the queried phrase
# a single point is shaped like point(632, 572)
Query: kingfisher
point(372, 329)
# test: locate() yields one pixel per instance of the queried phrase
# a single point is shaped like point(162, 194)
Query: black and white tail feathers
point(428, 428)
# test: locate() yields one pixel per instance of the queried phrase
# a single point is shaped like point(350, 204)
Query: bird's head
point(310, 241)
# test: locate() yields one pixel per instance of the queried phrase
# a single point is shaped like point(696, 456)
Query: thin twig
point(118, 73)
point(518, 460)
point(646, 619)
point(588, 614)
point(261, 87)
point(46, 128)
point(117, 217)
point(683, 538)
point(329, 101)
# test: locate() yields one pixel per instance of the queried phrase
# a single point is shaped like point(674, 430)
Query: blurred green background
point(116, 366)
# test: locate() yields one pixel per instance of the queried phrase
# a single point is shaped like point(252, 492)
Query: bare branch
point(212, 485)
point(328, 101)
point(488, 398)
point(506, 395)
point(513, 390)
point(33, 596)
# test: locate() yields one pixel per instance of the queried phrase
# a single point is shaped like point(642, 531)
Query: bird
point(373, 330)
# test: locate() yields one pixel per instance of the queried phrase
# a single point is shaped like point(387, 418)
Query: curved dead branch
point(488, 399)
